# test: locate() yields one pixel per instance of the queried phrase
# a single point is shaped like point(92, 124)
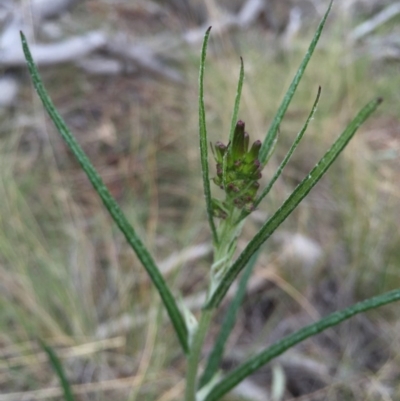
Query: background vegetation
point(69, 278)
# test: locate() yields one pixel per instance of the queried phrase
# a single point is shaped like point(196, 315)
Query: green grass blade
point(216, 354)
point(109, 202)
point(290, 152)
point(254, 363)
point(237, 101)
point(273, 129)
point(58, 368)
point(291, 202)
point(204, 140)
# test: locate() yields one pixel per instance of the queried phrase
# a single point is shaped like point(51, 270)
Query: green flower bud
point(220, 150)
point(238, 142)
point(252, 154)
point(238, 170)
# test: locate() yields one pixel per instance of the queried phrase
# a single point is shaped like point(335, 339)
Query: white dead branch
point(97, 65)
point(55, 53)
point(379, 19)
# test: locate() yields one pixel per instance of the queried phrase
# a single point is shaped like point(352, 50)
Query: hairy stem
point(195, 354)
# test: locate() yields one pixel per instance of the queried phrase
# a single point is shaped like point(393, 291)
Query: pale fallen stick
point(379, 19)
point(97, 65)
point(55, 53)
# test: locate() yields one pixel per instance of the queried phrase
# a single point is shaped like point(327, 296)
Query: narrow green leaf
point(228, 323)
point(204, 140)
point(256, 362)
point(291, 202)
point(273, 129)
point(237, 101)
point(109, 202)
point(278, 172)
point(58, 368)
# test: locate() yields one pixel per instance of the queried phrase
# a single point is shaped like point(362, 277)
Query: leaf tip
point(208, 29)
point(379, 100)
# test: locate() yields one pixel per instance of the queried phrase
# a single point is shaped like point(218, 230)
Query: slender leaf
point(58, 368)
point(256, 362)
point(204, 140)
point(217, 352)
point(289, 153)
point(291, 203)
point(273, 129)
point(109, 202)
point(237, 101)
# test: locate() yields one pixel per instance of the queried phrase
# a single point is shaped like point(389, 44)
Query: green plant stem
point(228, 233)
point(256, 362)
point(195, 354)
point(227, 325)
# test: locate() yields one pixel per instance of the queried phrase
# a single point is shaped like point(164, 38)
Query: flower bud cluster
point(238, 171)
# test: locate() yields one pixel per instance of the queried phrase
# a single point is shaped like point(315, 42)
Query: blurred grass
point(64, 271)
